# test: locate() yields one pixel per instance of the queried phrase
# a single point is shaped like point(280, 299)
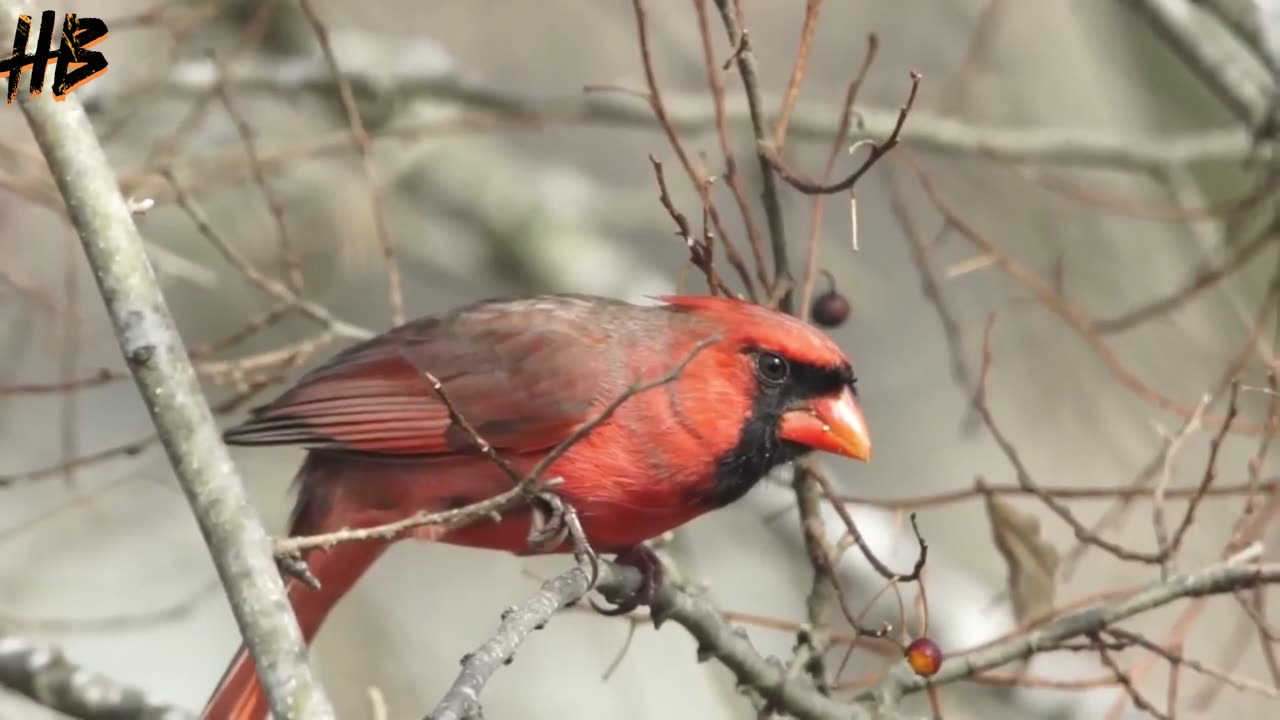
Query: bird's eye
point(772, 368)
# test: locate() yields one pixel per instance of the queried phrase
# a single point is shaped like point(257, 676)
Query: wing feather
point(523, 373)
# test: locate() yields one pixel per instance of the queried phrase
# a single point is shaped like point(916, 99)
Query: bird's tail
point(239, 696)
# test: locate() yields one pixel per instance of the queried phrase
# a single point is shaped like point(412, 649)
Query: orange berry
point(924, 656)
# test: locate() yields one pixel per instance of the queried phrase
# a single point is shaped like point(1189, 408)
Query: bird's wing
point(522, 374)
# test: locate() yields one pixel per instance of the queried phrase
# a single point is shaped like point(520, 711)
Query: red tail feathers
point(239, 696)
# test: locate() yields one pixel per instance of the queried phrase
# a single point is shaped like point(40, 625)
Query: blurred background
point(1120, 158)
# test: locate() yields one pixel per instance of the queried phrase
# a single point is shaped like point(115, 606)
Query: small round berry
point(830, 309)
point(924, 656)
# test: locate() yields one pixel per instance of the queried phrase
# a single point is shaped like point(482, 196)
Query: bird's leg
point(644, 559)
point(554, 521)
point(549, 527)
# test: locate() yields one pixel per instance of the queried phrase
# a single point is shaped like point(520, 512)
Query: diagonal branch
point(42, 673)
point(158, 360)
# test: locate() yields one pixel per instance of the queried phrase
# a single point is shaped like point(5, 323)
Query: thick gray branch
point(716, 637)
point(41, 672)
point(1231, 75)
point(156, 356)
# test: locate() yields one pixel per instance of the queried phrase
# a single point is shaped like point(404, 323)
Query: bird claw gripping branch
point(644, 559)
point(554, 521)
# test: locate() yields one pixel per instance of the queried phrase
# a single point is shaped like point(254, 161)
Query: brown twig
point(1201, 281)
point(1125, 681)
point(1064, 513)
point(699, 249)
point(1110, 492)
point(838, 144)
point(744, 57)
point(1068, 313)
point(792, 94)
point(732, 177)
point(847, 518)
point(251, 273)
point(360, 139)
point(288, 248)
point(878, 150)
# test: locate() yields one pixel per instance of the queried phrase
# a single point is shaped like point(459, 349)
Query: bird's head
point(794, 388)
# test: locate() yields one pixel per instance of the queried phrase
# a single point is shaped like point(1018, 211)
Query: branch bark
point(1243, 89)
point(42, 673)
point(518, 623)
point(158, 361)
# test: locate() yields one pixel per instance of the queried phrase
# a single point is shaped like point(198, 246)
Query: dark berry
point(830, 309)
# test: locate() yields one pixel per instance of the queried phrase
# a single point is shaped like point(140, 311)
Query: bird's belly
point(618, 508)
point(609, 526)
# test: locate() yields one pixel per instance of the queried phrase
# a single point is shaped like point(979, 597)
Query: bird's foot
point(644, 559)
point(554, 521)
point(549, 527)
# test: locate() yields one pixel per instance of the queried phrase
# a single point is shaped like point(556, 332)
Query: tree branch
point(42, 673)
point(1223, 578)
point(1246, 94)
point(518, 623)
point(158, 360)
point(372, 79)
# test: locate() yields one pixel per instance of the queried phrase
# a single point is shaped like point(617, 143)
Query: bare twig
point(1027, 480)
point(1214, 580)
point(360, 138)
point(747, 70)
point(255, 276)
point(732, 177)
point(838, 143)
point(1172, 444)
point(878, 150)
point(811, 12)
point(921, 558)
point(1110, 492)
point(1125, 681)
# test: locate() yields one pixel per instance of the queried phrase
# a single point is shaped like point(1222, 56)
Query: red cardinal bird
point(525, 373)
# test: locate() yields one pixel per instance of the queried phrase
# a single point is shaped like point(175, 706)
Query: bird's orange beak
point(830, 424)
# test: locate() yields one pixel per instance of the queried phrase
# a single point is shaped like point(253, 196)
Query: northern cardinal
point(524, 373)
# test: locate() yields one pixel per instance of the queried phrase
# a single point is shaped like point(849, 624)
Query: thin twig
point(1214, 580)
point(360, 139)
point(747, 70)
point(255, 276)
point(878, 150)
point(838, 143)
point(1126, 682)
point(798, 67)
